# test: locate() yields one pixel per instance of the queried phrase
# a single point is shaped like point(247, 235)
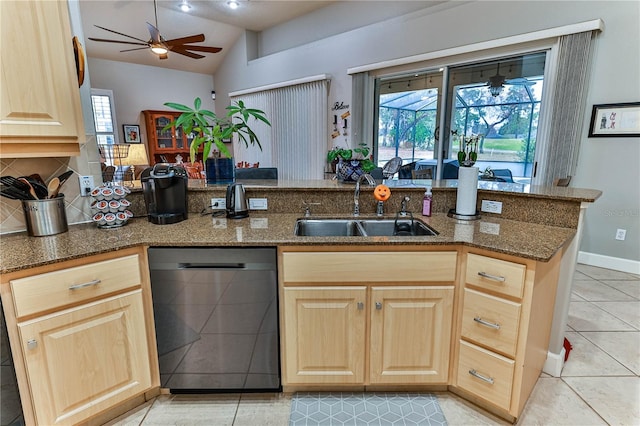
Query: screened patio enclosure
point(497, 100)
point(407, 124)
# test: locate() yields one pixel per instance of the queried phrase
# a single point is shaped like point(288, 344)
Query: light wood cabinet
point(164, 145)
point(84, 360)
point(82, 336)
point(326, 334)
point(505, 316)
point(40, 109)
point(410, 334)
point(346, 321)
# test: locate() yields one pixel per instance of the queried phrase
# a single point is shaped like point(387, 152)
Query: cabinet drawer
point(72, 285)
point(485, 374)
point(369, 266)
point(496, 275)
point(491, 321)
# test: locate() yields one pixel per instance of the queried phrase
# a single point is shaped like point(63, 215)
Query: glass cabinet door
point(165, 139)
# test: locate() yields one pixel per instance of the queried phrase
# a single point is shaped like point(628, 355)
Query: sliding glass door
point(498, 100)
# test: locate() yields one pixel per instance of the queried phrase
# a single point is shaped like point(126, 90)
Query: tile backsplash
point(78, 208)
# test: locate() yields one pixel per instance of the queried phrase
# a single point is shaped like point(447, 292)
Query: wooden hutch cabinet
point(165, 145)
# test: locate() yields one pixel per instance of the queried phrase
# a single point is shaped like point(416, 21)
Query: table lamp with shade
point(137, 156)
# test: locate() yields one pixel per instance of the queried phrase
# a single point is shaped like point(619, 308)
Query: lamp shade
point(137, 155)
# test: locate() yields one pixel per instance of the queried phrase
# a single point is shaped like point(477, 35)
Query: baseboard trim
point(554, 363)
point(615, 263)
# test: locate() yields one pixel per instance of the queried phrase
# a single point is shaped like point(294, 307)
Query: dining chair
point(422, 174)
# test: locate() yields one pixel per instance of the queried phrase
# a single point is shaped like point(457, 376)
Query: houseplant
point(209, 129)
point(467, 193)
point(352, 163)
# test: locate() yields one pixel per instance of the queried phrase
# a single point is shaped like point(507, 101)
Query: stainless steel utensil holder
point(45, 217)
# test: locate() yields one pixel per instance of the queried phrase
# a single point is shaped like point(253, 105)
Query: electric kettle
point(236, 202)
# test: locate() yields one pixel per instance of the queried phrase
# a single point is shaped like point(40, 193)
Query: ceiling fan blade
point(155, 34)
point(137, 48)
point(207, 49)
point(180, 50)
point(115, 32)
point(118, 41)
point(184, 40)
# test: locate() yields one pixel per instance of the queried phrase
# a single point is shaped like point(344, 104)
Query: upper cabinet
point(165, 145)
point(40, 108)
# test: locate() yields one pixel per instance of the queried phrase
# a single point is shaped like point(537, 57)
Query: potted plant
point(352, 163)
point(209, 129)
point(468, 151)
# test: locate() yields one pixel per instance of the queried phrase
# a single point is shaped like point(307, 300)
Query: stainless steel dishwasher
point(216, 317)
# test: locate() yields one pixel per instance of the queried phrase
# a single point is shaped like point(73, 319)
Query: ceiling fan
point(497, 82)
point(159, 45)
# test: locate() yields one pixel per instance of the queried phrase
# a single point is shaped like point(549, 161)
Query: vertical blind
point(297, 141)
point(567, 109)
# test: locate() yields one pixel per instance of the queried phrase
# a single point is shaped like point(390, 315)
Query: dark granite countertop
point(19, 251)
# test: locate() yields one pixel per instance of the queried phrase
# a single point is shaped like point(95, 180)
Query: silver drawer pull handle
point(360, 306)
point(378, 305)
point(83, 285)
point(487, 323)
point(491, 277)
point(474, 373)
point(32, 344)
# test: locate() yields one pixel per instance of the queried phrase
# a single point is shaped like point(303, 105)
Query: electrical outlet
point(621, 234)
point(257, 204)
point(86, 185)
point(491, 206)
point(218, 203)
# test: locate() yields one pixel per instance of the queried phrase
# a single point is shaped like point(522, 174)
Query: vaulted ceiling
point(221, 26)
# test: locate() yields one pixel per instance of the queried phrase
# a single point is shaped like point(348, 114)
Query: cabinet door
point(165, 139)
point(40, 113)
point(87, 359)
point(324, 334)
point(410, 334)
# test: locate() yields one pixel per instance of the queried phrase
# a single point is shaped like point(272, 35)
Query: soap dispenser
point(426, 203)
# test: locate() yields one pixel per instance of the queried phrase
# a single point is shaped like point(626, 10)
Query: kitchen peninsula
point(522, 251)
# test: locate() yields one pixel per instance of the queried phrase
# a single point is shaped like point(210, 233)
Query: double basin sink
point(355, 227)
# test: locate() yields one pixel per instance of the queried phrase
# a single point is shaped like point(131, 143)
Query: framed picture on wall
point(615, 120)
point(131, 133)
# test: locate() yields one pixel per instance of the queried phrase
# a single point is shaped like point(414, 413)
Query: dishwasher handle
point(194, 265)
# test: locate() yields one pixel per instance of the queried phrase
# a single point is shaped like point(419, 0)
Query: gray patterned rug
point(360, 409)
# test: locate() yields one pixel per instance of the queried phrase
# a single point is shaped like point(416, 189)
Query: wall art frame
point(615, 120)
point(131, 133)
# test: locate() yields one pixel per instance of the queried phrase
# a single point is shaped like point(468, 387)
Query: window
point(498, 99)
point(104, 118)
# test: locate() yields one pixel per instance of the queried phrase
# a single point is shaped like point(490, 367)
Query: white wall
point(610, 165)
point(140, 87)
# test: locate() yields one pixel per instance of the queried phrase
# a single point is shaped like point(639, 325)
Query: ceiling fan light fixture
point(495, 90)
point(233, 4)
point(185, 6)
point(159, 49)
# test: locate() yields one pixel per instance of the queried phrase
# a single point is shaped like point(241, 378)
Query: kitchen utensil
point(53, 187)
point(38, 179)
point(53, 193)
point(13, 193)
point(32, 191)
point(41, 190)
point(8, 180)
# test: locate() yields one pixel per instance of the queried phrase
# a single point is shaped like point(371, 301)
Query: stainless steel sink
point(361, 227)
point(389, 227)
point(327, 228)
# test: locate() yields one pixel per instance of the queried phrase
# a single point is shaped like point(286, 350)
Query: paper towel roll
point(467, 191)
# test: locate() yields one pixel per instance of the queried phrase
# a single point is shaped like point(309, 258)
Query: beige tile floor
point(600, 383)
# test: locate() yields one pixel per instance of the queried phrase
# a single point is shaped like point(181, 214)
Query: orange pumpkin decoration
point(382, 193)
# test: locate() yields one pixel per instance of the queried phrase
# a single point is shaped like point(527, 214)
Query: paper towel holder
point(452, 213)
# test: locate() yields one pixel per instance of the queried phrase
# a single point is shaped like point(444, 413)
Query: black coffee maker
point(165, 193)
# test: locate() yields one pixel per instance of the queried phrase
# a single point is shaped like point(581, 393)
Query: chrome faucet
point(356, 194)
point(403, 206)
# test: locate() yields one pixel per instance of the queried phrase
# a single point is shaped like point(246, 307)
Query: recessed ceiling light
point(184, 6)
point(233, 4)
